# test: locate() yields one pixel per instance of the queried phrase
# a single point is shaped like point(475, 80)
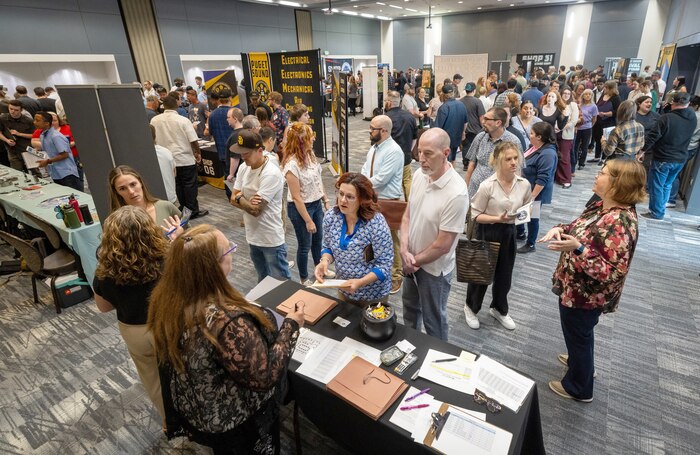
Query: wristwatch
point(579, 251)
point(238, 198)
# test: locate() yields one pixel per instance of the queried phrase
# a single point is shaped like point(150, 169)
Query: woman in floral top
point(223, 360)
point(597, 249)
point(357, 238)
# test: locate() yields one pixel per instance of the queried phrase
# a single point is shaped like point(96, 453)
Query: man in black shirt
point(47, 104)
point(475, 109)
point(255, 103)
point(404, 132)
point(16, 132)
point(28, 104)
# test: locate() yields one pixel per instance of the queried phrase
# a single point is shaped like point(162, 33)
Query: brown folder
point(366, 387)
point(315, 306)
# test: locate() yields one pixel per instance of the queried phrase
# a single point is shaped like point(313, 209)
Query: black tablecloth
point(354, 430)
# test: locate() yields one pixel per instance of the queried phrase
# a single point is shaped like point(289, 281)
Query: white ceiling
point(400, 9)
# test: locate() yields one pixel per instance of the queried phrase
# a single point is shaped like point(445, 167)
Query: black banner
point(339, 130)
point(530, 61)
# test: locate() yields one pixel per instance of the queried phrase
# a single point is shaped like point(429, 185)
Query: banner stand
point(369, 91)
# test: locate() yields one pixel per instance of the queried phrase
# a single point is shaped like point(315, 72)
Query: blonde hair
point(132, 249)
point(299, 144)
point(627, 181)
point(499, 153)
point(192, 280)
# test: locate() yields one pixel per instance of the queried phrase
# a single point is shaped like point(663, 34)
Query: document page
point(307, 342)
point(326, 360)
point(464, 434)
point(409, 418)
point(501, 383)
point(328, 284)
point(455, 374)
point(368, 353)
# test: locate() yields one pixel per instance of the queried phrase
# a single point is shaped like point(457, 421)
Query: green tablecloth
point(84, 240)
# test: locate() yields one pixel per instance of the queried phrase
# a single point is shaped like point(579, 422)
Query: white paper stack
point(501, 383)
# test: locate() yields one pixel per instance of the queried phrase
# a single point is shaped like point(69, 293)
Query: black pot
point(378, 329)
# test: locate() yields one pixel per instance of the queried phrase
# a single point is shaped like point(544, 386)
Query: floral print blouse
point(594, 280)
point(221, 389)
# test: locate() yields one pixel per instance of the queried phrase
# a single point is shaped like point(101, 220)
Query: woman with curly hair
point(130, 258)
point(126, 187)
point(306, 199)
point(223, 360)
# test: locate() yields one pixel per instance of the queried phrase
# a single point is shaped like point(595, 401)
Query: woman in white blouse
point(493, 207)
point(306, 198)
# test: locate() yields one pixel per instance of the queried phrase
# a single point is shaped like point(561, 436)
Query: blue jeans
point(661, 177)
point(533, 228)
point(425, 298)
point(306, 241)
point(677, 182)
point(270, 260)
point(577, 326)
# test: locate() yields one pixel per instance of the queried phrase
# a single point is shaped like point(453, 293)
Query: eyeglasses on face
point(232, 248)
point(371, 128)
point(348, 197)
point(486, 119)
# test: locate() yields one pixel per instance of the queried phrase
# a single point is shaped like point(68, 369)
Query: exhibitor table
point(41, 202)
point(353, 429)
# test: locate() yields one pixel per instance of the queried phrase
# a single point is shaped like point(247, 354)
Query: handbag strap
point(371, 166)
point(471, 224)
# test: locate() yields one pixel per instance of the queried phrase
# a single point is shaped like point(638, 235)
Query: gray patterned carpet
point(68, 386)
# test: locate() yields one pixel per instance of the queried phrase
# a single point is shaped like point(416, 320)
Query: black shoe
point(650, 216)
point(593, 160)
point(601, 162)
point(526, 249)
point(581, 166)
point(199, 214)
point(523, 236)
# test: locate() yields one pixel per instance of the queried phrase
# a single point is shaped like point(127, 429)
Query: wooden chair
point(61, 262)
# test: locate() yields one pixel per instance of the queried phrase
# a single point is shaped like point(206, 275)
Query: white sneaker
point(330, 274)
point(506, 321)
point(291, 264)
point(472, 320)
point(307, 283)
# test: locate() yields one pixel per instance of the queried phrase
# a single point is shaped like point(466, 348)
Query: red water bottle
point(76, 206)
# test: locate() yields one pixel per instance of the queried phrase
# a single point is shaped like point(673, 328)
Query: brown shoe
point(558, 388)
point(396, 285)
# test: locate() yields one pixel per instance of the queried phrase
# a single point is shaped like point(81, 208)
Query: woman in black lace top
point(223, 360)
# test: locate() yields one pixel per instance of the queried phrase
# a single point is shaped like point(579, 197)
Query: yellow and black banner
point(217, 80)
point(259, 71)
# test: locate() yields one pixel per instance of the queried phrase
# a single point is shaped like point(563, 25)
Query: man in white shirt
point(167, 168)
point(437, 210)
point(656, 77)
point(258, 192)
point(148, 89)
point(175, 133)
point(384, 168)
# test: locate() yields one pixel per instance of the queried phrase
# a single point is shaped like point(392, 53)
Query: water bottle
point(70, 217)
point(76, 207)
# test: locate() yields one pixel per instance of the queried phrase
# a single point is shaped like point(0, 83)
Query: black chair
point(61, 262)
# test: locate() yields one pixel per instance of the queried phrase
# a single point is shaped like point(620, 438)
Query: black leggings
point(583, 140)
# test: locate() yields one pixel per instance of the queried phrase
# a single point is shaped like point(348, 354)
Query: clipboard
point(315, 306)
point(437, 427)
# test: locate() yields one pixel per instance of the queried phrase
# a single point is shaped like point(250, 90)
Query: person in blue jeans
point(692, 150)
point(306, 198)
point(540, 166)
point(668, 141)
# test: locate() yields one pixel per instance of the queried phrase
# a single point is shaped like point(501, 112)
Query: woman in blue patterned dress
point(357, 238)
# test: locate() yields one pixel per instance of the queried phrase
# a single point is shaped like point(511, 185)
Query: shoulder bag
point(475, 259)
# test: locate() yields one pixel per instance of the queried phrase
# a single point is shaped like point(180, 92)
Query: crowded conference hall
point(350, 227)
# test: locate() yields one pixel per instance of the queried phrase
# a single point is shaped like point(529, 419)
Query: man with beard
point(384, 168)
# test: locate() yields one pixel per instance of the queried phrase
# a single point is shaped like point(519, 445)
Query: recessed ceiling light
point(370, 16)
point(449, 10)
point(383, 18)
point(512, 4)
point(460, 2)
point(354, 6)
point(411, 10)
point(478, 7)
point(380, 11)
point(286, 3)
point(349, 13)
point(394, 6)
point(380, 3)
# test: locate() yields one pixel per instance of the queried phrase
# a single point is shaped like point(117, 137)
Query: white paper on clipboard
point(32, 157)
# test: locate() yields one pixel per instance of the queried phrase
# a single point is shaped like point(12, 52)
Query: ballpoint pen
point(417, 394)
point(445, 360)
point(418, 406)
point(184, 222)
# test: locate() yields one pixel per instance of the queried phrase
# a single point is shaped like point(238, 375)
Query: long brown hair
point(132, 249)
point(366, 195)
point(115, 200)
point(299, 145)
point(192, 280)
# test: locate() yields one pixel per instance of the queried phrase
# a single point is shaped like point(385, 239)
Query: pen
point(415, 375)
point(175, 228)
point(418, 394)
point(445, 360)
point(418, 406)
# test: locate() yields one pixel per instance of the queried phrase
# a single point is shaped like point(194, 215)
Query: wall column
point(576, 27)
point(653, 32)
point(387, 43)
point(143, 36)
point(432, 39)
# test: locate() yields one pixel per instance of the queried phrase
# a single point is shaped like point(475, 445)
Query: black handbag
point(475, 259)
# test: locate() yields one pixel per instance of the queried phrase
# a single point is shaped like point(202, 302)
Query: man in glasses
point(384, 168)
point(258, 192)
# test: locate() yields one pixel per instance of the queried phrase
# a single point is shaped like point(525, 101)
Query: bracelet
point(238, 198)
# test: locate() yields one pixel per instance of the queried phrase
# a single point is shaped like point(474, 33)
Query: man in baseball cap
point(456, 80)
point(258, 192)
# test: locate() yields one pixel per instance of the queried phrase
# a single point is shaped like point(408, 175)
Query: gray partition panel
point(129, 135)
point(84, 116)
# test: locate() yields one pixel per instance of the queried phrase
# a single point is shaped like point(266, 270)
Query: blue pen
point(175, 228)
point(418, 394)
